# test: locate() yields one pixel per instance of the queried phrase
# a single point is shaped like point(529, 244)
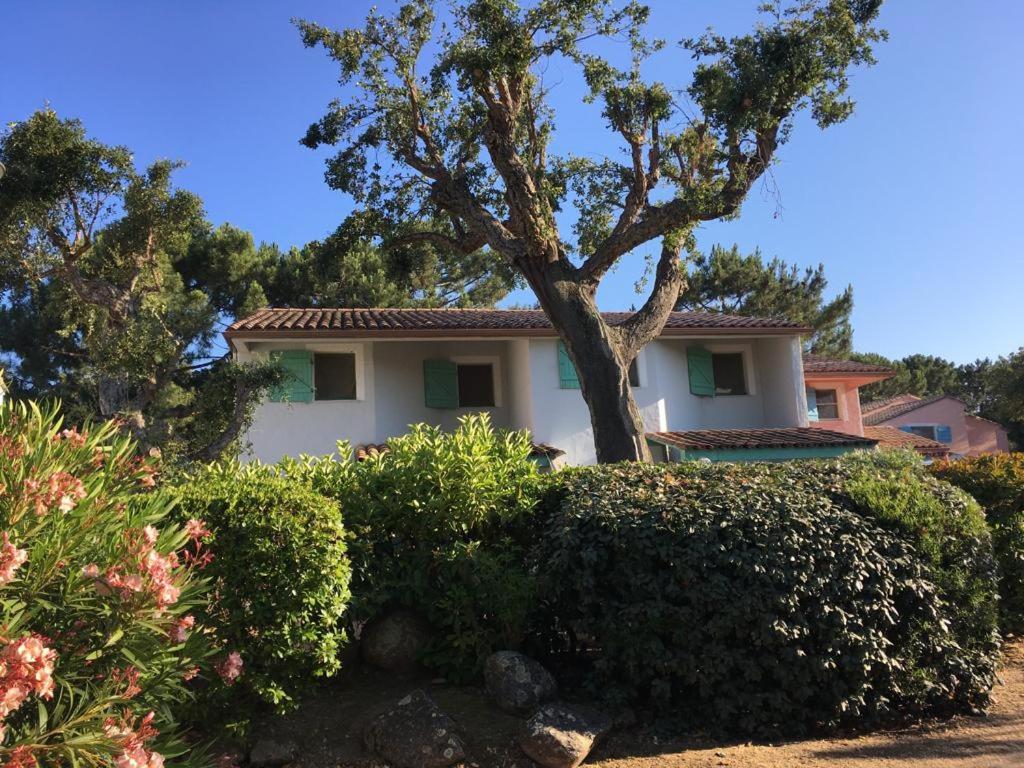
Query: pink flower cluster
point(21, 757)
point(198, 556)
point(152, 572)
point(132, 740)
point(26, 667)
point(230, 669)
point(72, 437)
point(11, 558)
point(61, 490)
point(180, 632)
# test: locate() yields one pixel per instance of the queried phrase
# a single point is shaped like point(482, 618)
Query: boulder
point(516, 683)
point(562, 735)
point(415, 733)
point(270, 753)
point(394, 640)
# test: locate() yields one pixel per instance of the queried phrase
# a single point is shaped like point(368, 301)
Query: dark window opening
point(634, 374)
point(476, 385)
point(927, 431)
point(334, 376)
point(828, 403)
point(728, 371)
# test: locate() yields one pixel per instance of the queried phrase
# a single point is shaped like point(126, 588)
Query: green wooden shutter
point(298, 384)
point(567, 378)
point(701, 371)
point(440, 384)
point(812, 405)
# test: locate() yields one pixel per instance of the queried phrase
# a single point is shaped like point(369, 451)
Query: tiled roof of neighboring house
point(365, 451)
point(893, 437)
point(794, 437)
point(881, 411)
point(816, 364)
point(460, 322)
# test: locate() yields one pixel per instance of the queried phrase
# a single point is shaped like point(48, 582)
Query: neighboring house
point(833, 396)
point(940, 418)
point(711, 385)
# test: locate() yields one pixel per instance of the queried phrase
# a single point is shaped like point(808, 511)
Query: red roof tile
point(441, 322)
point(892, 437)
point(793, 437)
point(815, 364)
point(882, 410)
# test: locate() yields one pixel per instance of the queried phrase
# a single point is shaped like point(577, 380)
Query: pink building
point(833, 397)
point(941, 418)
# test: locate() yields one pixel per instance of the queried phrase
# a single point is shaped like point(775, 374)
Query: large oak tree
point(453, 124)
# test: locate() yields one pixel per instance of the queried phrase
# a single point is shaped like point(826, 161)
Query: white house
point(709, 385)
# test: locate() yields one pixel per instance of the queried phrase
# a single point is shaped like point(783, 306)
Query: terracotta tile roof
point(816, 364)
point(793, 437)
point(892, 437)
point(883, 410)
point(460, 322)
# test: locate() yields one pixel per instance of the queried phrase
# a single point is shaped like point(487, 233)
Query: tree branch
point(647, 322)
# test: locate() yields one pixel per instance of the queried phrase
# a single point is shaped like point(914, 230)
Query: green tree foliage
point(446, 132)
point(727, 281)
point(112, 284)
point(921, 375)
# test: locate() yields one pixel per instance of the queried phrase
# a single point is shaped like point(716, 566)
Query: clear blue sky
point(915, 201)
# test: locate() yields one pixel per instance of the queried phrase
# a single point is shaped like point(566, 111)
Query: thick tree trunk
point(603, 368)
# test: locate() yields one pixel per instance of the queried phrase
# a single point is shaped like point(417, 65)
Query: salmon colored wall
point(849, 407)
point(985, 436)
point(949, 412)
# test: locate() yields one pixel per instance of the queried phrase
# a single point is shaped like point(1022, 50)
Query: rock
point(562, 735)
point(394, 640)
point(415, 733)
point(516, 683)
point(268, 753)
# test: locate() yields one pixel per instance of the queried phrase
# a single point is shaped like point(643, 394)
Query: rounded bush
point(100, 600)
point(997, 482)
point(755, 598)
point(279, 577)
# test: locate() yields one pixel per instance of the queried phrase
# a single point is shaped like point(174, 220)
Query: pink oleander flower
point(128, 679)
point(190, 673)
point(11, 558)
point(197, 530)
point(179, 633)
point(150, 534)
point(91, 571)
point(72, 436)
point(26, 668)
point(230, 669)
point(20, 757)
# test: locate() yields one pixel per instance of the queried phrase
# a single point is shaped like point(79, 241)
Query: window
point(634, 374)
point(476, 385)
point(334, 376)
point(923, 431)
point(727, 368)
point(828, 403)
point(941, 432)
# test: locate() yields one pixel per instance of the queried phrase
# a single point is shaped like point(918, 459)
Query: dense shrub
point(997, 482)
point(279, 578)
point(771, 598)
point(439, 524)
point(99, 600)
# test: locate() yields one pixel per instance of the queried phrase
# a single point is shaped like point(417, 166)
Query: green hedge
point(280, 579)
point(771, 598)
point(997, 482)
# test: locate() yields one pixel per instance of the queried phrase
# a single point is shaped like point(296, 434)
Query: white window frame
point(495, 362)
point(746, 350)
point(329, 348)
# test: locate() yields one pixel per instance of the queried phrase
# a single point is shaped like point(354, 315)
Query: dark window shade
point(728, 369)
point(828, 403)
point(634, 374)
point(334, 376)
point(476, 385)
point(928, 432)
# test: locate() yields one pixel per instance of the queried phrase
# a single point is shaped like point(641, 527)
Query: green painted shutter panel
point(944, 434)
point(440, 384)
point(298, 384)
point(812, 405)
point(701, 371)
point(567, 378)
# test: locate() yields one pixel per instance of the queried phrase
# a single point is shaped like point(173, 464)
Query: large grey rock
point(562, 735)
point(516, 683)
point(415, 733)
point(394, 640)
point(270, 753)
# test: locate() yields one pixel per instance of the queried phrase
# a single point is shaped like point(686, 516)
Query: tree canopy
point(727, 281)
point(446, 131)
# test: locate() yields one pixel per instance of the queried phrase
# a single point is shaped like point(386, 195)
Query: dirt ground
point(328, 728)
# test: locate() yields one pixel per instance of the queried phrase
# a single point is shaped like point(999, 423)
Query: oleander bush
point(100, 643)
point(770, 598)
point(279, 575)
point(997, 482)
point(440, 524)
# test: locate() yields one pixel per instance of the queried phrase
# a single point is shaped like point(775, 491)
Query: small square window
point(924, 431)
point(334, 376)
point(634, 374)
point(728, 372)
point(476, 385)
point(828, 403)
